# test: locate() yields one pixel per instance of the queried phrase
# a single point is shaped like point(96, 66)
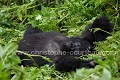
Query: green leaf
point(1, 51)
point(0, 29)
point(106, 75)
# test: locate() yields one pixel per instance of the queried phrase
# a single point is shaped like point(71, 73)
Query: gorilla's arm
point(71, 63)
point(94, 36)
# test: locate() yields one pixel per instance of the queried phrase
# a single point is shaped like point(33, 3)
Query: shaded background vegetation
point(66, 16)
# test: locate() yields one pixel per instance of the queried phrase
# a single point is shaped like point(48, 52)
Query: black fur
point(35, 40)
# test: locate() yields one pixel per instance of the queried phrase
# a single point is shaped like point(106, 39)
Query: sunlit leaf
point(106, 75)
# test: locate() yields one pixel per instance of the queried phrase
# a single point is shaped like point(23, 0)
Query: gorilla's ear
point(30, 30)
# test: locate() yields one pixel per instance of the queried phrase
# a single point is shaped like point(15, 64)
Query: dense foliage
point(67, 16)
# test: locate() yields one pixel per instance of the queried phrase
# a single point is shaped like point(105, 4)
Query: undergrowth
point(69, 17)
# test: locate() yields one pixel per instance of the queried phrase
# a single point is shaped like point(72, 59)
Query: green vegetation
point(67, 16)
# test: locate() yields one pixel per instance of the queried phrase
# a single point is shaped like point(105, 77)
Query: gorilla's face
point(76, 46)
point(80, 47)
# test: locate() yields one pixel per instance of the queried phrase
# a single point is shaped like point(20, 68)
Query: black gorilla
point(59, 48)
